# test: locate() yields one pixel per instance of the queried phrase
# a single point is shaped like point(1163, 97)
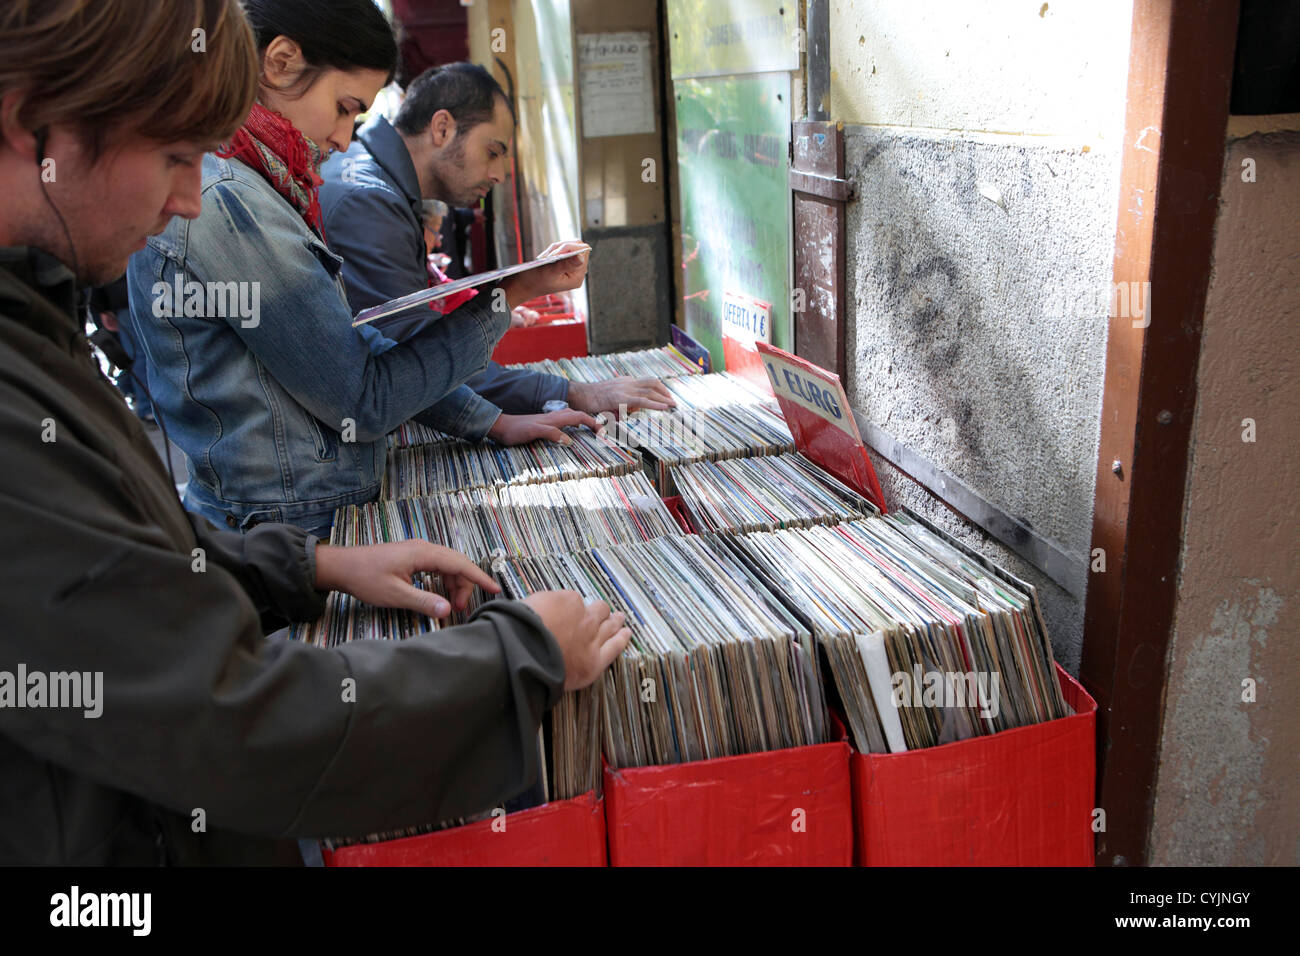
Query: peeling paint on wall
point(1226, 786)
point(1215, 790)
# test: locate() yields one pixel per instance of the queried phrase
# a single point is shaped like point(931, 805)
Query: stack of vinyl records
point(664, 362)
point(717, 416)
point(927, 643)
point(452, 466)
point(413, 433)
point(762, 494)
point(717, 666)
point(516, 520)
point(348, 619)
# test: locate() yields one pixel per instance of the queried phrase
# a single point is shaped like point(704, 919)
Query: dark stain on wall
point(929, 298)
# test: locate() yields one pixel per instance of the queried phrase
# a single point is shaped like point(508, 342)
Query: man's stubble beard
point(60, 235)
point(451, 161)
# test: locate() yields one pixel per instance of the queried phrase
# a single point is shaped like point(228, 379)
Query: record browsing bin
point(789, 807)
point(554, 340)
point(560, 332)
point(1021, 797)
point(559, 833)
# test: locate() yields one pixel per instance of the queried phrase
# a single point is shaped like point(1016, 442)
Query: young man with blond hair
point(144, 716)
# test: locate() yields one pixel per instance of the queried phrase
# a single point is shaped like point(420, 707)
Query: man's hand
point(380, 574)
point(612, 395)
point(521, 429)
point(559, 276)
point(523, 317)
point(589, 636)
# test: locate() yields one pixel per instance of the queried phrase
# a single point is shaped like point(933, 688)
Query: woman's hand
point(521, 429)
point(380, 574)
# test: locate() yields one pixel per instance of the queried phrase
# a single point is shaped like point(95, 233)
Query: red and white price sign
point(817, 411)
point(746, 321)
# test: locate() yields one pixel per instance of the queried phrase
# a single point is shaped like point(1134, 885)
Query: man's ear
point(442, 128)
point(13, 134)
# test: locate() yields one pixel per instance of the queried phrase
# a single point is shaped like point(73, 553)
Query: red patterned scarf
point(288, 160)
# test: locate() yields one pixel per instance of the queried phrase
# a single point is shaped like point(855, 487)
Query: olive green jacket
point(211, 742)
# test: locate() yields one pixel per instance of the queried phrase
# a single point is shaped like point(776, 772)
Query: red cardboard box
point(546, 340)
point(779, 808)
point(562, 833)
point(1022, 797)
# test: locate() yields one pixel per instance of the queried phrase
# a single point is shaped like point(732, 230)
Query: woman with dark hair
point(280, 405)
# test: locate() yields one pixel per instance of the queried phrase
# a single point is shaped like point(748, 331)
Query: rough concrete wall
point(977, 340)
point(979, 263)
point(1009, 66)
point(1226, 787)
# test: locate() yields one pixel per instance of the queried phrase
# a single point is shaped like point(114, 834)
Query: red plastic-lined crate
point(1022, 797)
point(562, 833)
point(779, 808)
point(559, 333)
point(551, 340)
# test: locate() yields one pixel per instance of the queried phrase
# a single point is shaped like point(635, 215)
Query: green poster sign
point(733, 160)
point(724, 37)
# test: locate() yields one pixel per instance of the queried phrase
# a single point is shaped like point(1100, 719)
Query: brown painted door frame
point(1179, 83)
point(819, 193)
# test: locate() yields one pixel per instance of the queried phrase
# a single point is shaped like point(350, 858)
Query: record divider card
point(691, 349)
point(817, 411)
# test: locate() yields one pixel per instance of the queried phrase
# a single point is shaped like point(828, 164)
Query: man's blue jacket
point(373, 219)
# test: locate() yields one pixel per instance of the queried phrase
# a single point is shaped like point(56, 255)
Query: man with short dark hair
point(449, 142)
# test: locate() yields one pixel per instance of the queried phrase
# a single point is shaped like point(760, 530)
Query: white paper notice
point(615, 83)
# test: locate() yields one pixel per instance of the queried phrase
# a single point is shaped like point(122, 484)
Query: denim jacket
point(373, 217)
point(280, 405)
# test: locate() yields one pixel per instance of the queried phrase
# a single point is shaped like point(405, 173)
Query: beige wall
point(1001, 66)
point(479, 32)
point(1227, 790)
